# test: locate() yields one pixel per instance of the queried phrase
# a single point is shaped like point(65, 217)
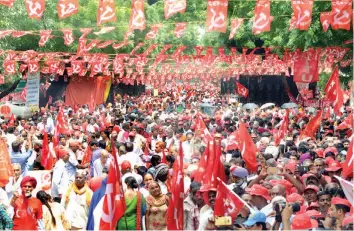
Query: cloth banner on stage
point(32, 97)
point(90, 91)
point(44, 180)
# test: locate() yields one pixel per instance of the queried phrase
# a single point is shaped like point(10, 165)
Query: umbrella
point(289, 105)
point(267, 105)
point(250, 106)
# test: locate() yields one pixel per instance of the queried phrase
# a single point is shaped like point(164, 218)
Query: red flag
point(227, 203)
point(66, 8)
point(46, 158)
point(33, 66)
point(283, 129)
point(9, 67)
point(326, 20)
point(306, 66)
point(12, 119)
point(348, 163)
point(114, 203)
point(44, 37)
point(208, 177)
point(216, 15)
point(232, 143)
point(6, 169)
point(235, 24)
point(247, 148)
point(262, 17)
point(179, 29)
point(175, 209)
point(88, 154)
point(173, 7)
point(201, 130)
point(347, 123)
point(334, 92)
point(68, 36)
point(8, 3)
point(35, 8)
point(302, 15)
point(200, 173)
point(153, 32)
point(137, 16)
point(241, 90)
point(341, 14)
point(218, 169)
point(312, 126)
point(106, 12)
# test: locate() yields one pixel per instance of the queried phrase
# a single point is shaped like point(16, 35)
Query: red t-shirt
point(26, 217)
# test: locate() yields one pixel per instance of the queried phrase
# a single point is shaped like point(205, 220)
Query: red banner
point(306, 66)
point(66, 8)
point(341, 14)
point(241, 90)
point(262, 18)
point(326, 19)
point(302, 15)
point(217, 15)
point(334, 92)
point(18, 34)
point(235, 24)
point(137, 17)
point(179, 29)
point(44, 37)
point(153, 32)
point(35, 8)
point(173, 7)
point(68, 36)
point(8, 3)
point(9, 67)
point(106, 12)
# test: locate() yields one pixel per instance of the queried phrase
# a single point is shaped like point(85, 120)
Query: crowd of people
point(295, 187)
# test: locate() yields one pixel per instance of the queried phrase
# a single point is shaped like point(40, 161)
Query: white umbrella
point(267, 105)
point(250, 106)
point(289, 105)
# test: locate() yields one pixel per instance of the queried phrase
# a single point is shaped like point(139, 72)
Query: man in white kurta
point(77, 201)
point(60, 180)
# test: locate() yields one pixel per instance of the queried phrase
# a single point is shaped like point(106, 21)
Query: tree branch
point(10, 89)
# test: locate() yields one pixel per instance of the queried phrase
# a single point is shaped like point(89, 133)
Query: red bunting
point(77, 66)
point(334, 92)
point(302, 15)
point(341, 14)
point(45, 35)
point(8, 3)
point(35, 8)
point(180, 28)
point(306, 66)
point(117, 46)
point(241, 90)
point(2, 79)
point(85, 32)
point(9, 67)
point(5, 33)
point(153, 32)
point(138, 46)
point(66, 8)
point(106, 12)
point(262, 18)
point(326, 20)
point(173, 7)
point(18, 34)
point(33, 66)
point(68, 36)
point(105, 44)
point(235, 24)
point(217, 15)
point(137, 16)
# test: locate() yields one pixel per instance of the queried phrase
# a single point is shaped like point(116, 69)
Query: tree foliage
point(279, 38)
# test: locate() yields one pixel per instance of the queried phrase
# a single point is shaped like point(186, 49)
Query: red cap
point(313, 213)
point(125, 165)
point(74, 144)
point(307, 175)
point(258, 190)
point(131, 134)
point(313, 187)
point(76, 127)
point(319, 152)
point(312, 206)
point(303, 222)
point(62, 152)
point(330, 149)
point(286, 183)
point(340, 201)
point(334, 166)
point(295, 197)
point(329, 160)
point(291, 167)
point(207, 188)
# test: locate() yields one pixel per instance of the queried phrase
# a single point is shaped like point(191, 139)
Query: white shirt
point(13, 186)
point(98, 166)
point(132, 157)
point(60, 180)
point(187, 149)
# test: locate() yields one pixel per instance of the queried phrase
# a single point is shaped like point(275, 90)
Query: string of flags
point(216, 18)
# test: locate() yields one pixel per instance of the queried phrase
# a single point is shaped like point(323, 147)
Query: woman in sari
point(136, 207)
point(53, 213)
point(157, 204)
